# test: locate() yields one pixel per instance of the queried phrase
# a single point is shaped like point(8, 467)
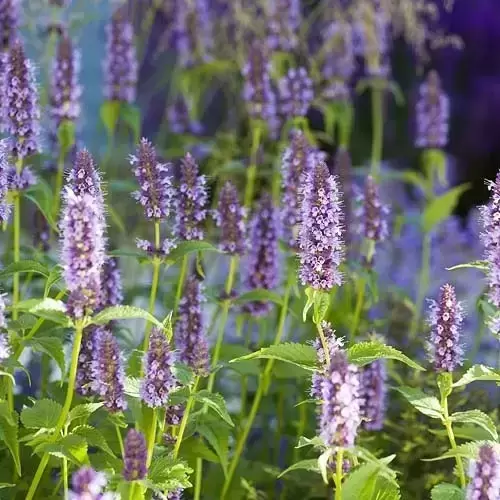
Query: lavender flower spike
point(432, 114)
point(175, 494)
point(84, 374)
point(372, 213)
point(485, 474)
point(156, 193)
point(87, 484)
point(320, 235)
point(135, 456)
point(158, 379)
point(65, 88)
point(229, 217)
point(284, 23)
point(296, 93)
point(189, 329)
point(20, 104)
point(111, 284)
point(107, 371)
point(83, 245)
point(373, 395)
point(262, 264)
point(445, 319)
point(191, 201)
point(9, 22)
point(5, 207)
point(120, 65)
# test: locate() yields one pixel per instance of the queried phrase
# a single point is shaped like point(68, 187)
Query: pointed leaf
point(44, 414)
point(465, 450)
point(72, 447)
point(83, 411)
point(110, 111)
point(309, 465)
point(259, 295)
point(131, 115)
point(52, 346)
point(476, 417)
point(186, 247)
point(215, 402)
point(428, 405)
point(217, 435)
point(123, 312)
point(93, 437)
point(24, 266)
point(446, 491)
point(9, 427)
point(41, 195)
point(482, 265)
point(478, 373)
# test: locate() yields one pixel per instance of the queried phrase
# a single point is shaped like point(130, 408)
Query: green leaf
point(93, 437)
point(446, 491)
point(131, 115)
point(476, 417)
point(8, 375)
point(9, 428)
point(41, 195)
point(482, 265)
point(194, 447)
point(110, 111)
point(186, 247)
point(428, 405)
point(25, 266)
point(44, 414)
point(123, 312)
point(72, 447)
point(316, 441)
point(302, 355)
point(51, 309)
point(232, 351)
point(83, 411)
point(310, 465)
point(66, 136)
point(169, 474)
point(52, 346)
point(183, 374)
point(441, 207)
point(465, 450)
point(371, 481)
point(216, 403)
point(445, 384)
point(132, 387)
point(217, 435)
point(364, 353)
point(478, 373)
point(259, 295)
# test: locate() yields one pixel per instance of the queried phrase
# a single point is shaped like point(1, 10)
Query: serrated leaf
point(234, 351)
point(183, 374)
point(52, 346)
point(83, 411)
point(123, 312)
point(72, 447)
point(44, 414)
point(47, 308)
point(132, 387)
point(25, 266)
point(465, 450)
point(310, 465)
point(169, 474)
point(186, 247)
point(93, 437)
point(446, 491)
point(216, 402)
point(476, 417)
point(370, 481)
point(9, 429)
point(217, 435)
point(316, 441)
point(478, 373)
point(482, 265)
point(428, 405)
point(364, 353)
point(259, 295)
point(441, 207)
point(302, 355)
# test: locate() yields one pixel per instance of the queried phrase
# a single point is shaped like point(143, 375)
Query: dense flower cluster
point(120, 65)
point(175, 495)
point(261, 270)
point(111, 284)
point(9, 22)
point(21, 180)
point(88, 484)
point(134, 460)
point(295, 92)
point(190, 337)
point(373, 394)
point(230, 218)
point(484, 473)
point(283, 24)
point(445, 319)
point(179, 117)
point(191, 201)
point(84, 374)
point(5, 206)
point(321, 231)
point(158, 379)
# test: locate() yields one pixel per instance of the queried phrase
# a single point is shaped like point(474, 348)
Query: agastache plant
point(484, 473)
point(9, 22)
point(373, 395)
point(295, 93)
point(135, 456)
point(5, 205)
point(88, 484)
point(283, 24)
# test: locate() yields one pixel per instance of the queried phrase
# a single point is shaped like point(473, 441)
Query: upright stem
point(65, 410)
point(59, 185)
point(324, 343)
point(338, 474)
point(65, 478)
point(185, 418)
point(359, 307)
point(120, 440)
point(423, 283)
point(300, 429)
point(264, 380)
point(17, 253)
point(378, 131)
point(180, 284)
point(152, 437)
point(252, 168)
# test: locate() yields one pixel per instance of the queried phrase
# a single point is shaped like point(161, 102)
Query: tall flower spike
point(65, 87)
point(262, 265)
point(20, 104)
point(158, 379)
point(111, 284)
point(88, 484)
point(156, 193)
point(340, 413)
point(83, 247)
point(191, 201)
point(134, 460)
point(229, 217)
point(485, 474)
point(9, 22)
point(179, 118)
point(373, 395)
point(107, 371)
point(84, 374)
point(321, 231)
point(445, 319)
point(284, 23)
point(296, 93)
point(5, 207)
point(432, 114)
point(120, 65)
point(189, 329)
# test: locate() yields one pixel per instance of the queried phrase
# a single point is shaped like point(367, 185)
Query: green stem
point(378, 131)
point(264, 381)
point(252, 168)
point(300, 430)
point(359, 307)
point(324, 343)
point(17, 246)
point(180, 284)
point(198, 478)
point(65, 478)
point(185, 418)
point(58, 186)
point(67, 405)
point(152, 437)
point(423, 283)
point(120, 440)
point(338, 474)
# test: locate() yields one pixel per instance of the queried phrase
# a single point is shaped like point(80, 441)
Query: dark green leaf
point(476, 417)
point(52, 346)
point(44, 414)
point(215, 402)
point(428, 405)
point(217, 435)
point(9, 427)
point(93, 437)
point(41, 195)
point(24, 266)
point(446, 491)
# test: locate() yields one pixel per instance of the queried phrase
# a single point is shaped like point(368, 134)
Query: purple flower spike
point(156, 193)
point(432, 114)
point(485, 474)
point(296, 93)
point(191, 201)
point(88, 484)
point(174, 414)
point(445, 319)
point(371, 213)
point(84, 374)
point(111, 284)
point(107, 371)
point(284, 23)
point(120, 65)
point(340, 413)
point(83, 246)
point(175, 495)
point(20, 104)
point(262, 264)
point(229, 217)
point(9, 22)
point(321, 231)
point(135, 456)
point(158, 379)
point(189, 329)
point(20, 181)
point(373, 394)
point(65, 88)
point(179, 118)
point(5, 207)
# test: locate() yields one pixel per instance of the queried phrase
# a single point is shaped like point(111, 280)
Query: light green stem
point(67, 405)
point(58, 186)
point(423, 283)
point(252, 168)
point(378, 131)
point(17, 252)
point(264, 381)
point(359, 307)
point(324, 343)
point(185, 418)
point(65, 478)
point(338, 474)
point(120, 440)
point(300, 429)
point(152, 437)
point(180, 284)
